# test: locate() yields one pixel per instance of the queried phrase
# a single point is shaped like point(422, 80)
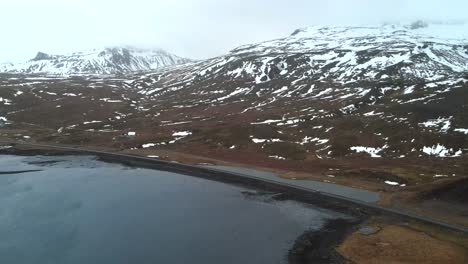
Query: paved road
point(219, 172)
point(352, 193)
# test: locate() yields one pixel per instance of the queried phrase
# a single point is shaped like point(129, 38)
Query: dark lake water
point(75, 209)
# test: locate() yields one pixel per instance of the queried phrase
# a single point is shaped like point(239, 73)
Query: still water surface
point(76, 209)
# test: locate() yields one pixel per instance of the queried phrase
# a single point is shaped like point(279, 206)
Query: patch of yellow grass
point(395, 244)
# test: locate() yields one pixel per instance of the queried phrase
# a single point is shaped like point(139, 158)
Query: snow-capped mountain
point(337, 54)
point(379, 77)
point(390, 91)
point(116, 60)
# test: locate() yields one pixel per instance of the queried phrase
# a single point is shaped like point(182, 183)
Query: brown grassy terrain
point(399, 244)
point(315, 145)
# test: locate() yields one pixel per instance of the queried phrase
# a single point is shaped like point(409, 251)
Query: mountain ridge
point(112, 60)
point(345, 55)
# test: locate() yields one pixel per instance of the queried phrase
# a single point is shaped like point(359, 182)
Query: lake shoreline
point(288, 192)
point(312, 245)
point(320, 246)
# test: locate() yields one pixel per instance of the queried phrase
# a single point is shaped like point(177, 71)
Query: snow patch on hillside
point(373, 152)
point(441, 151)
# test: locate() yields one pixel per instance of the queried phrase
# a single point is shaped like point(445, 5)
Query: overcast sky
point(192, 28)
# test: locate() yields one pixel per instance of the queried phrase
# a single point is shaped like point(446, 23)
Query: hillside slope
point(352, 97)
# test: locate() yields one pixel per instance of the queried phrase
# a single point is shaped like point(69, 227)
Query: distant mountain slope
point(338, 54)
point(101, 61)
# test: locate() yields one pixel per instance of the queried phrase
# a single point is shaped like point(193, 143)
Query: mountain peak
point(41, 56)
